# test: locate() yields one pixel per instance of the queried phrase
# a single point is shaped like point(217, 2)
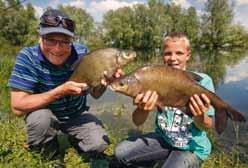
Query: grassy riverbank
point(13, 135)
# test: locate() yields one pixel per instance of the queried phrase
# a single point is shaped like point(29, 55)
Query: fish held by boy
point(174, 88)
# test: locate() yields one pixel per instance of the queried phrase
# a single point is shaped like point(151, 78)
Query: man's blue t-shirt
point(33, 73)
point(179, 130)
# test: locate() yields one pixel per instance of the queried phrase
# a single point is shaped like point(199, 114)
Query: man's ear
point(40, 39)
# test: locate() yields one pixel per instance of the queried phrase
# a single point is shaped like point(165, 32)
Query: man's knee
point(42, 127)
point(95, 145)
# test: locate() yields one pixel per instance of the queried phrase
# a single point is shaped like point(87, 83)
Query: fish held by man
point(91, 67)
point(174, 88)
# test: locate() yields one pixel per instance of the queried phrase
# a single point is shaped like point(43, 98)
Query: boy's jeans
point(146, 150)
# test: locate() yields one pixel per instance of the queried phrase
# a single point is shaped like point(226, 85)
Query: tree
point(215, 21)
point(16, 22)
point(118, 27)
point(142, 26)
point(84, 22)
point(192, 25)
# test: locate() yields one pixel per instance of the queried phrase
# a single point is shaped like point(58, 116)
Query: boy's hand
point(147, 100)
point(199, 104)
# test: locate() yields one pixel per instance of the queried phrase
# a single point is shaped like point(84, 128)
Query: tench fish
point(90, 68)
point(174, 88)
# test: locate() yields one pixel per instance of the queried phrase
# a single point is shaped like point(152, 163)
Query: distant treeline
point(140, 27)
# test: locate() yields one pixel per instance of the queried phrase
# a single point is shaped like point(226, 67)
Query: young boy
point(179, 140)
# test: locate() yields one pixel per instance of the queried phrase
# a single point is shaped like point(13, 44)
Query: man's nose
point(58, 46)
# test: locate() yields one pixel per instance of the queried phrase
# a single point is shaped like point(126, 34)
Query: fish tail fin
point(222, 113)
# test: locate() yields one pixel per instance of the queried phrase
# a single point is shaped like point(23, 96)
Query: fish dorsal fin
point(194, 76)
point(76, 63)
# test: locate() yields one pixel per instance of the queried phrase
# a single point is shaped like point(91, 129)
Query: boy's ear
point(189, 55)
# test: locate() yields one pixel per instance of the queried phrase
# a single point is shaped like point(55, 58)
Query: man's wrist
point(54, 93)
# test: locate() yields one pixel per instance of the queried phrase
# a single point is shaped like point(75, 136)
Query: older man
point(40, 90)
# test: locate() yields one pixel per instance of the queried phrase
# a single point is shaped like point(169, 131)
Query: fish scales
point(174, 88)
point(90, 68)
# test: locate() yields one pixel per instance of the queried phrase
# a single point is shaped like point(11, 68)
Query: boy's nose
point(173, 56)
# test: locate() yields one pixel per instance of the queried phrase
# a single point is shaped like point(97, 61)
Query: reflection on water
point(234, 87)
point(116, 111)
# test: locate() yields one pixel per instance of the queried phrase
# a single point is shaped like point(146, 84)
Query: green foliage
point(96, 39)
point(118, 26)
point(142, 27)
point(6, 64)
point(17, 22)
point(222, 157)
point(218, 17)
point(84, 22)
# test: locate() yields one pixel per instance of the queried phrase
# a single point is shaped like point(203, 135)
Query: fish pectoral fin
point(194, 76)
point(139, 116)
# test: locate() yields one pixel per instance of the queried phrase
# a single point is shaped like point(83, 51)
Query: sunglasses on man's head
point(54, 21)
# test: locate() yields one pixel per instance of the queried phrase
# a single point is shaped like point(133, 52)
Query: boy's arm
point(146, 103)
point(199, 106)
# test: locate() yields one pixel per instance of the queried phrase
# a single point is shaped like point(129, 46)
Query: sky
point(96, 8)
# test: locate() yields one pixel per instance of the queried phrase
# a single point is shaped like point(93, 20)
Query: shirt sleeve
point(81, 49)
point(24, 75)
point(207, 82)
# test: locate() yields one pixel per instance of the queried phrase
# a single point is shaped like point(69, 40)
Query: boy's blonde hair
point(176, 36)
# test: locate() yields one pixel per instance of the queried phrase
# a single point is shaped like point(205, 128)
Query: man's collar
point(41, 57)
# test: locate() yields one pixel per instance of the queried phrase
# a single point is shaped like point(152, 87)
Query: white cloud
point(54, 3)
point(242, 2)
point(238, 72)
point(110, 5)
point(236, 77)
point(97, 9)
point(38, 11)
point(240, 16)
point(77, 3)
point(182, 3)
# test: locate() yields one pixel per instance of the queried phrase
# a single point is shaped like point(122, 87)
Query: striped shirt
point(33, 73)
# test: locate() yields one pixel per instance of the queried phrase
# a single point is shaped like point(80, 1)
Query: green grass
point(13, 136)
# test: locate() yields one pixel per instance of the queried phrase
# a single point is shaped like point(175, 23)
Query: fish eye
point(121, 84)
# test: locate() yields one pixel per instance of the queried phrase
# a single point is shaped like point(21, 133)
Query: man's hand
point(70, 88)
point(146, 101)
point(106, 81)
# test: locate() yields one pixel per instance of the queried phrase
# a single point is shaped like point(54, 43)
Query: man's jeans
point(146, 150)
point(85, 130)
